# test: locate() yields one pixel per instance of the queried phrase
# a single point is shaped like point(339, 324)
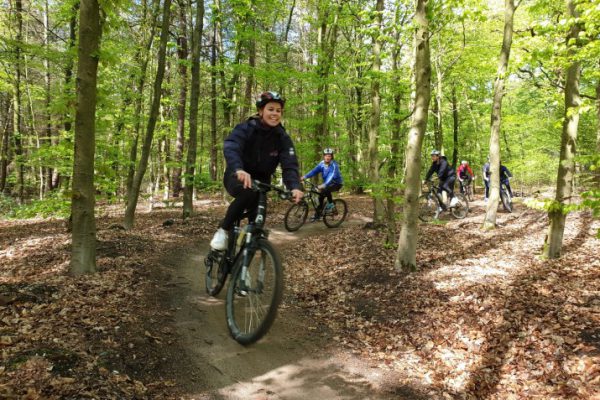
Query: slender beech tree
point(5, 144)
point(566, 165)
point(146, 147)
point(83, 252)
point(188, 190)
point(182, 55)
point(378, 207)
point(406, 258)
point(142, 58)
point(492, 206)
point(597, 180)
point(18, 124)
point(454, 125)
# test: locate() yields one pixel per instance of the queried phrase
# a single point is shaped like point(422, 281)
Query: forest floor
point(483, 318)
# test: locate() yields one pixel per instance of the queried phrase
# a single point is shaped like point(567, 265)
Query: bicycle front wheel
point(427, 207)
point(295, 216)
point(506, 202)
point(462, 208)
point(334, 216)
point(253, 299)
point(216, 272)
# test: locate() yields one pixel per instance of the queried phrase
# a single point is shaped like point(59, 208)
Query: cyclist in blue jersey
point(332, 180)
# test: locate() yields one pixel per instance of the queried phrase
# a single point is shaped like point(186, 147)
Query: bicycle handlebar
point(265, 187)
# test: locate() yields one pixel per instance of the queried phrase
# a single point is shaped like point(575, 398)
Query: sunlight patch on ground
point(306, 379)
point(471, 271)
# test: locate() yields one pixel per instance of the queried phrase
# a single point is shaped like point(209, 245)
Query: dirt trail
point(293, 361)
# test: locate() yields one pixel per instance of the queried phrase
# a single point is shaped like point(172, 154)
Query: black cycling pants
point(327, 193)
point(448, 186)
point(244, 199)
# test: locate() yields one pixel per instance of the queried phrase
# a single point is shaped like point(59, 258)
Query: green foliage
point(54, 205)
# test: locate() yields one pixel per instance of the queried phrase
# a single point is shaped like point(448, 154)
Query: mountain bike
point(431, 204)
point(506, 197)
point(333, 213)
point(256, 285)
point(467, 187)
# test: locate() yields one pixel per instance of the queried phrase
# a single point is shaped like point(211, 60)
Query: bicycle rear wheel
point(462, 209)
point(334, 216)
point(252, 304)
point(295, 216)
point(216, 272)
point(506, 202)
point(427, 207)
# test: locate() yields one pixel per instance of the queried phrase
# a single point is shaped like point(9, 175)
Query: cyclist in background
point(446, 175)
point(465, 175)
point(486, 180)
point(332, 180)
point(252, 151)
point(505, 176)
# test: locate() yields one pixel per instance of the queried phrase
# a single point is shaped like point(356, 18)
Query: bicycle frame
point(311, 196)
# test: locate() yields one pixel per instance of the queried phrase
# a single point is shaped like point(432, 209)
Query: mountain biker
point(486, 180)
point(464, 174)
point(505, 176)
point(332, 179)
point(252, 151)
point(446, 175)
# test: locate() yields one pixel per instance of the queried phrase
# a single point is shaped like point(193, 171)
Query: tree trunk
point(83, 253)
point(597, 172)
point(188, 191)
point(142, 59)
point(4, 155)
point(492, 206)
point(378, 207)
point(327, 38)
point(160, 72)
point(438, 131)
point(454, 127)
point(566, 165)
point(407, 243)
point(18, 126)
point(214, 139)
point(182, 53)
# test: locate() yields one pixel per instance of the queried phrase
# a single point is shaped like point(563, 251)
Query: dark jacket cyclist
point(253, 150)
point(445, 173)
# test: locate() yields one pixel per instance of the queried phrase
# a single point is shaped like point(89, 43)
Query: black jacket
point(258, 149)
point(443, 169)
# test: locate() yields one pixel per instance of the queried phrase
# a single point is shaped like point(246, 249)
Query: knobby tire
point(216, 272)
point(295, 216)
point(336, 215)
point(251, 314)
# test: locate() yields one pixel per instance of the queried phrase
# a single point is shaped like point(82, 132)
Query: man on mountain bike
point(252, 151)
point(505, 176)
point(332, 180)
point(464, 174)
point(446, 175)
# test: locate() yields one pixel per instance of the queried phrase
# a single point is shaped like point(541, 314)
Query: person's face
point(271, 113)
point(435, 157)
point(327, 158)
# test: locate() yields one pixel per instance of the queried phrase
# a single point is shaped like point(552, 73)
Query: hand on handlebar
point(244, 177)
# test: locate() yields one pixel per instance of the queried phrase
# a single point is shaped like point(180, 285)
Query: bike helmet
point(464, 162)
point(266, 97)
point(435, 153)
point(328, 150)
